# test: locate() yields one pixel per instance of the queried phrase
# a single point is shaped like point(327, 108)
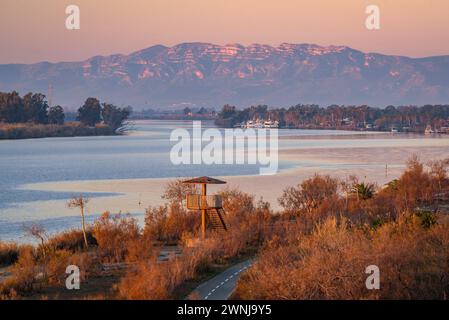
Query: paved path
point(223, 285)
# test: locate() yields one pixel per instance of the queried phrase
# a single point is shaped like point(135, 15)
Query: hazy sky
point(34, 30)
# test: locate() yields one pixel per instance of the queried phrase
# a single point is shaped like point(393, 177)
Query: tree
point(35, 108)
point(56, 115)
point(90, 113)
point(187, 111)
point(38, 232)
point(80, 202)
point(176, 191)
point(202, 111)
point(310, 194)
point(11, 107)
point(114, 116)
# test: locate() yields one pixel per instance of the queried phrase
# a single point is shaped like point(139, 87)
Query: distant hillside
point(202, 74)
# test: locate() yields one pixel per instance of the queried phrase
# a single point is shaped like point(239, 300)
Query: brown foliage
point(310, 194)
point(176, 191)
point(9, 253)
point(114, 234)
point(168, 223)
point(71, 240)
point(23, 276)
point(249, 225)
point(330, 263)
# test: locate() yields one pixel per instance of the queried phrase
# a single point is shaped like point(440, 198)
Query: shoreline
point(22, 131)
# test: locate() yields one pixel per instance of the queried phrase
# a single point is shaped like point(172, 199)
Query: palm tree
point(363, 191)
point(80, 202)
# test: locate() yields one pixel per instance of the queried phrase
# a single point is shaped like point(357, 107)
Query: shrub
point(114, 234)
point(9, 253)
point(168, 223)
point(71, 240)
point(310, 194)
point(59, 260)
point(330, 263)
point(55, 266)
point(23, 275)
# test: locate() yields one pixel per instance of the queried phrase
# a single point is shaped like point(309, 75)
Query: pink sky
point(32, 31)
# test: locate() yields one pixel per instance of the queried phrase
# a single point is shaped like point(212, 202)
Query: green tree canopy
point(56, 115)
point(114, 116)
point(90, 113)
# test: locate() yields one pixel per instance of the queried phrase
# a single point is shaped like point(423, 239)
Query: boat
point(254, 124)
point(271, 124)
point(259, 124)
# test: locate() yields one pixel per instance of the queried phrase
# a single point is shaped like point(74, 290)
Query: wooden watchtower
point(210, 205)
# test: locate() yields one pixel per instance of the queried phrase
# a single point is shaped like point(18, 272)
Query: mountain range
point(209, 75)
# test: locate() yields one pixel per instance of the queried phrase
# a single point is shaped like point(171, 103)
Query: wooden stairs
point(215, 218)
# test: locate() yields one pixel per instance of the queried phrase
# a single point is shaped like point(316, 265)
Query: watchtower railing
point(199, 202)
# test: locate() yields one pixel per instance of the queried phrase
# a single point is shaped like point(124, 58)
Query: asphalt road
point(223, 285)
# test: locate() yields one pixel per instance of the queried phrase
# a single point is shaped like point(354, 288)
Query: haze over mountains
point(203, 74)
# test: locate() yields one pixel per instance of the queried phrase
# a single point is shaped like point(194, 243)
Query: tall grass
point(29, 130)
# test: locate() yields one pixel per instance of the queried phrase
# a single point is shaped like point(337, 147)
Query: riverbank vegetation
point(317, 247)
point(30, 116)
point(71, 129)
point(403, 118)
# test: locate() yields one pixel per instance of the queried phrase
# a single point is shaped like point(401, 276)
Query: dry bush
point(414, 186)
point(71, 240)
point(168, 223)
point(320, 197)
point(23, 276)
point(59, 260)
point(114, 234)
point(147, 281)
point(9, 253)
point(237, 203)
point(176, 191)
point(310, 194)
point(55, 266)
point(153, 280)
point(330, 263)
point(139, 249)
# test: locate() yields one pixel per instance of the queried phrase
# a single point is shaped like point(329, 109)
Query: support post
point(203, 213)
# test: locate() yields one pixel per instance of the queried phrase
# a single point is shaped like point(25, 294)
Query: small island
point(31, 116)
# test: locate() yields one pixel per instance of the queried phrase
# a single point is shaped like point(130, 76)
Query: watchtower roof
point(205, 180)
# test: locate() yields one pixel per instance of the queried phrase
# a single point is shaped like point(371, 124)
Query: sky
point(34, 30)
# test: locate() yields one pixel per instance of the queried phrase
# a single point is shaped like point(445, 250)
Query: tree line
point(34, 108)
point(335, 116)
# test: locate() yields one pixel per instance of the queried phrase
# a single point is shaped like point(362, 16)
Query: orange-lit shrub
point(71, 240)
point(168, 223)
point(23, 276)
point(330, 263)
point(114, 233)
point(9, 253)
